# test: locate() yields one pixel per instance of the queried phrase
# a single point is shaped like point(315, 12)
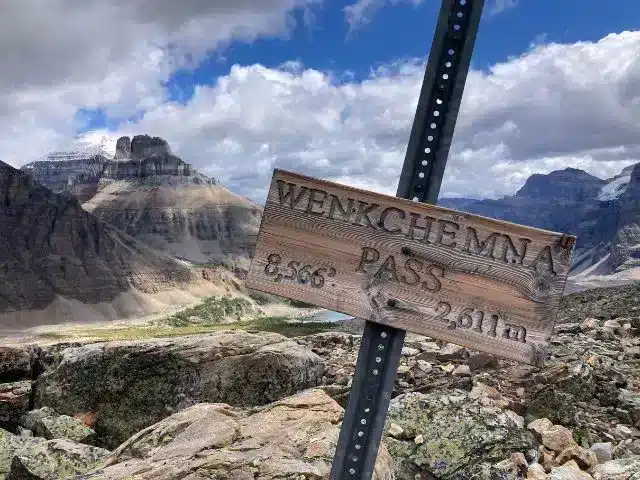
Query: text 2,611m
point(294, 271)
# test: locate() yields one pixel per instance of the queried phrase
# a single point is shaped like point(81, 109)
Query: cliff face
point(156, 197)
point(78, 177)
point(50, 246)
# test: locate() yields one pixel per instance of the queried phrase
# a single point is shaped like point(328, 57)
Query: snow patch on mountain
point(86, 146)
point(614, 188)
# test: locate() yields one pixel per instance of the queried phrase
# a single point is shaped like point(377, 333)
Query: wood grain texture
point(490, 285)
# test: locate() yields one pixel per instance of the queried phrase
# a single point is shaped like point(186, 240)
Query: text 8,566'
point(293, 271)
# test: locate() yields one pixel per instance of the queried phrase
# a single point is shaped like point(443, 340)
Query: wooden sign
point(490, 285)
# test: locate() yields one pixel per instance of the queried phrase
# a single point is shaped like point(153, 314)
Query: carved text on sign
point(296, 272)
point(426, 229)
point(491, 285)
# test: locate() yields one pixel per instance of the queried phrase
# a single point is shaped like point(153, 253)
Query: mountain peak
point(141, 146)
point(569, 184)
point(85, 146)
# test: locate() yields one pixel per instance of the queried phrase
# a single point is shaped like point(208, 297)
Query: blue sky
point(553, 84)
point(508, 29)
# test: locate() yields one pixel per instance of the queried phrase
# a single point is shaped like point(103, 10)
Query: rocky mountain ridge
point(603, 214)
point(83, 172)
point(52, 250)
point(153, 195)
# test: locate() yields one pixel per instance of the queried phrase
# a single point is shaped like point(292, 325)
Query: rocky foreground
point(241, 405)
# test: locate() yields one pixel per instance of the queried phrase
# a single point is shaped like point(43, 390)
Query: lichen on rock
point(465, 434)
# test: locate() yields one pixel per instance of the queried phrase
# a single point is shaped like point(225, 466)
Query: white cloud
point(556, 106)
point(362, 11)
point(61, 55)
point(499, 6)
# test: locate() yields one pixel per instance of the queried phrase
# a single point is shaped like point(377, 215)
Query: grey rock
point(602, 450)
point(123, 148)
point(482, 360)
point(464, 434)
point(127, 386)
point(17, 362)
point(55, 248)
point(31, 458)
point(572, 201)
point(621, 469)
point(568, 473)
point(143, 146)
point(156, 197)
point(45, 422)
point(14, 402)
point(54, 459)
point(293, 438)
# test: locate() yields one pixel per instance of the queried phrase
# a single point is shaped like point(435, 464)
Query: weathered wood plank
point(484, 283)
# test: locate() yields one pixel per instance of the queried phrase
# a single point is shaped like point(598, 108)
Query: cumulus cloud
point(556, 106)
point(60, 55)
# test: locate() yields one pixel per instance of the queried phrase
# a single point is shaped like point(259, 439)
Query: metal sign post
point(420, 180)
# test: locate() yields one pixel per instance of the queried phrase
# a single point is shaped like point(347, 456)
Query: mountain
point(151, 194)
point(603, 214)
point(58, 262)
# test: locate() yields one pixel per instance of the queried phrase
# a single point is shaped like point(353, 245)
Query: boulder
point(569, 473)
point(465, 434)
point(45, 422)
point(294, 438)
point(14, 402)
point(621, 469)
point(35, 458)
point(54, 459)
point(126, 386)
point(17, 362)
point(603, 451)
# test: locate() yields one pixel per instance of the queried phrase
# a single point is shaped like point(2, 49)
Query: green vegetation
point(262, 298)
point(212, 310)
point(281, 325)
point(299, 304)
point(213, 314)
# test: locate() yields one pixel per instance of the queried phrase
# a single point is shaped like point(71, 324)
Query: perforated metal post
point(420, 180)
